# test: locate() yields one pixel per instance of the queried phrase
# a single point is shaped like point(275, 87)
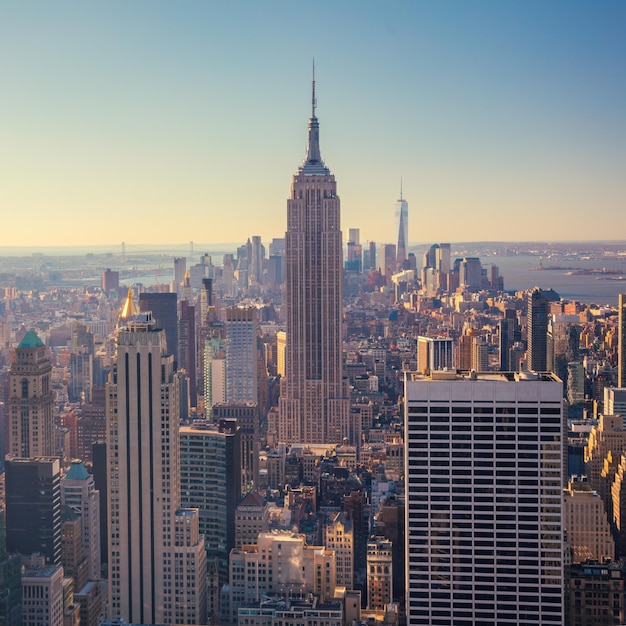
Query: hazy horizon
point(146, 121)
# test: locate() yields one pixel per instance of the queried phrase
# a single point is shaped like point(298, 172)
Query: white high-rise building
point(615, 401)
point(314, 406)
point(241, 355)
point(157, 561)
point(484, 541)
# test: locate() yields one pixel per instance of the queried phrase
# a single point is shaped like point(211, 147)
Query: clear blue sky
point(164, 122)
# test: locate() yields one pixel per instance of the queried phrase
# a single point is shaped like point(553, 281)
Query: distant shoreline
point(191, 249)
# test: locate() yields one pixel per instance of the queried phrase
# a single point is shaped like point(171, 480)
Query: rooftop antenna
point(313, 100)
point(400, 188)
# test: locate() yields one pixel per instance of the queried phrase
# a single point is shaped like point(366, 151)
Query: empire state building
point(314, 405)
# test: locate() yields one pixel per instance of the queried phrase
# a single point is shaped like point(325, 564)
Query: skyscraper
point(31, 423)
point(434, 354)
point(402, 230)
point(163, 307)
point(187, 347)
point(537, 351)
point(157, 562)
point(621, 340)
point(314, 406)
point(180, 269)
point(484, 541)
point(241, 355)
point(78, 492)
point(33, 507)
point(210, 476)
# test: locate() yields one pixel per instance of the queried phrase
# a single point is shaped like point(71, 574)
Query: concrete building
point(90, 598)
point(180, 271)
point(387, 259)
point(73, 557)
point(31, 422)
point(484, 542)
point(292, 612)
point(314, 403)
point(470, 274)
point(78, 492)
point(252, 517)
point(596, 594)
point(435, 354)
point(607, 438)
point(379, 573)
point(480, 354)
point(280, 563)
point(586, 524)
point(241, 330)
point(42, 596)
point(214, 361)
point(157, 562)
point(339, 536)
point(615, 401)
point(110, 281)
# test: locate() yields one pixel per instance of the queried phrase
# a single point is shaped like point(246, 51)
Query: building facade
point(537, 351)
point(33, 507)
point(621, 340)
point(210, 477)
point(314, 405)
point(241, 355)
point(78, 492)
point(401, 211)
point(484, 542)
point(31, 421)
point(157, 562)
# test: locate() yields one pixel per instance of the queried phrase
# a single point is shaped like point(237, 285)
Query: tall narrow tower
point(537, 352)
point(314, 405)
point(402, 230)
point(31, 432)
point(621, 340)
point(150, 536)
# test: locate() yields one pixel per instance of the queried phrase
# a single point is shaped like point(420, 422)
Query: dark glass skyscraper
point(537, 350)
point(164, 311)
point(33, 507)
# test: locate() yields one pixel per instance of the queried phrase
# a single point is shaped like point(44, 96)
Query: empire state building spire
point(313, 163)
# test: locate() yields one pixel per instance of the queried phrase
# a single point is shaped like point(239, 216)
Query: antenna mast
point(314, 99)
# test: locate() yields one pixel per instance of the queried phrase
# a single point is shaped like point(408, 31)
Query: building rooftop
point(77, 471)
point(254, 498)
point(31, 340)
point(472, 376)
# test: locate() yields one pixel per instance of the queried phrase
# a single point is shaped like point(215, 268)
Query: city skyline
point(114, 111)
